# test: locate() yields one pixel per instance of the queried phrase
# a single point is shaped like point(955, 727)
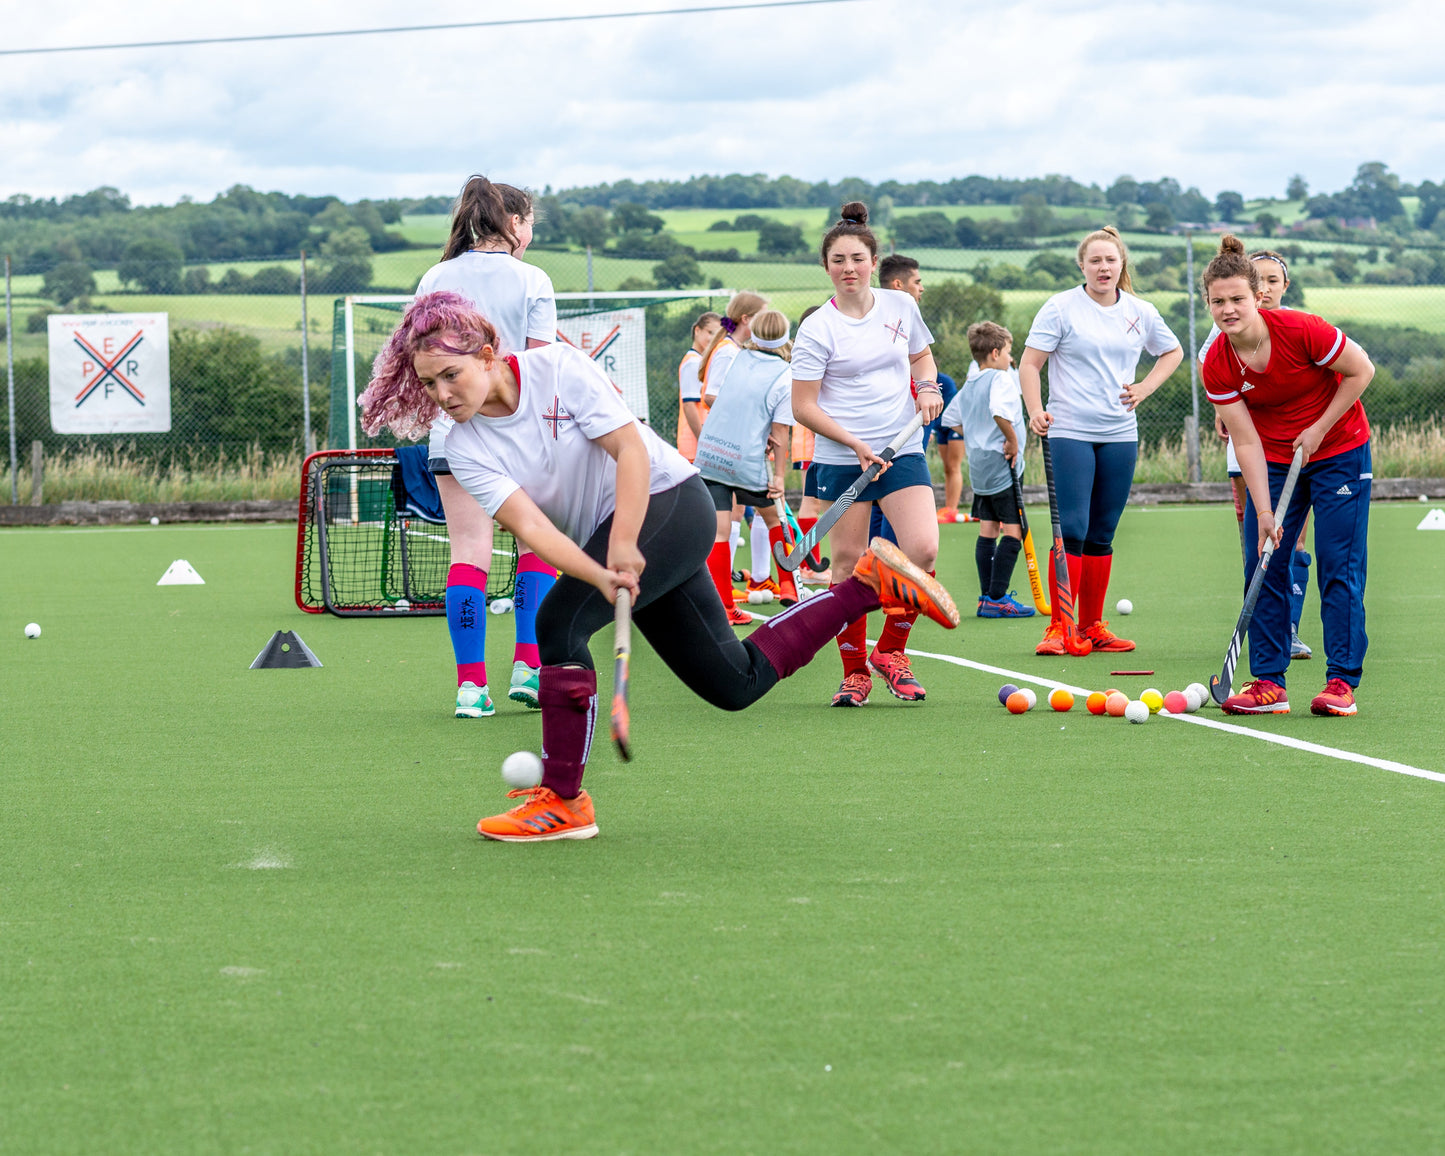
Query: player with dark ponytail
point(1283, 380)
point(491, 229)
point(862, 368)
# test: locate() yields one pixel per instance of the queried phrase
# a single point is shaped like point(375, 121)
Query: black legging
point(677, 609)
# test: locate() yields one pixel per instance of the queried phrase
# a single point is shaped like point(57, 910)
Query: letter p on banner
point(110, 373)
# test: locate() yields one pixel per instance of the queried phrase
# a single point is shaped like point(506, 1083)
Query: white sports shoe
point(473, 701)
point(526, 685)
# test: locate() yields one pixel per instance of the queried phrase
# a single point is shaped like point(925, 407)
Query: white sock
point(762, 557)
point(735, 535)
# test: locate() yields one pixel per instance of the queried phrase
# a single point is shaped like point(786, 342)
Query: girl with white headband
point(750, 420)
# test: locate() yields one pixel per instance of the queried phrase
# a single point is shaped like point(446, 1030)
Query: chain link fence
point(236, 357)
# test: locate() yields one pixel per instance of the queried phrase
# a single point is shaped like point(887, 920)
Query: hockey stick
point(790, 521)
point(1041, 601)
point(791, 560)
point(1220, 684)
point(1062, 590)
point(622, 658)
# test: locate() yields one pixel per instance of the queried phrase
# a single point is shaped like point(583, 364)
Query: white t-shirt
point(515, 297)
point(733, 448)
point(717, 367)
point(1094, 350)
point(547, 446)
point(863, 364)
point(688, 386)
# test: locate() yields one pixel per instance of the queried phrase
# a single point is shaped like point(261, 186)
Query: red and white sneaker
point(545, 816)
point(892, 666)
point(1338, 698)
point(1258, 697)
point(855, 690)
point(738, 617)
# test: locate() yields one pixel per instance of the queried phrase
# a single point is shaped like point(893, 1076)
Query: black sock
point(1004, 558)
point(983, 556)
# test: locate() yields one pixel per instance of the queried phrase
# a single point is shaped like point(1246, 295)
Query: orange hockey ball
point(1061, 699)
point(1017, 703)
point(1115, 704)
point(1095, 702)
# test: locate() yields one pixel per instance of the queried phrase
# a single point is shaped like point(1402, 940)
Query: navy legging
point(1092, 481)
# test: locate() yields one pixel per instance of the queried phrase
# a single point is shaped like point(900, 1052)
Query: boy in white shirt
point(988, 414)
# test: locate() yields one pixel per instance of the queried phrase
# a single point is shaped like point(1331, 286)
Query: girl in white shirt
point(862, 367)
point(1091, 338)
point(544, 443)
point(491, 229)
point(691, 409)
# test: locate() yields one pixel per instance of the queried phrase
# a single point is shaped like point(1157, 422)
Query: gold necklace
point(1244, 366)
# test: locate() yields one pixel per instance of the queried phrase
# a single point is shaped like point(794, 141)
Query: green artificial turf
point(247, 911)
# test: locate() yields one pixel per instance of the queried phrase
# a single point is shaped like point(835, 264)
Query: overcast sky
point(1219, 96)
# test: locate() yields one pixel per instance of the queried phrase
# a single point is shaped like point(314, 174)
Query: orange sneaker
point(815, 577)
point(542, 818)
point(855, 690)
point(789, 589)
point(1258, 697)
point(1105, 640)
point(738, 617)
point(1055, 641)
point(902, 587)
point(892, 666)
point(1338, 698)
point(767, 585)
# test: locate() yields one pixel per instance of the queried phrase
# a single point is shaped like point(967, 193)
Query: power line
point(416, 28)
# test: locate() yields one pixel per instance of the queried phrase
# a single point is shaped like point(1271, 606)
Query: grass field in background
point(248, 910)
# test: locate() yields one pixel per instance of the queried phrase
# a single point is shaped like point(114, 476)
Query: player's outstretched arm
point(1250, 452)
point(634, 478)
point(520, 516)
point(1031, 383)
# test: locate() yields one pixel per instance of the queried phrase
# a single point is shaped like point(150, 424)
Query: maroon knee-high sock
point(568, 697)
point(790, 639)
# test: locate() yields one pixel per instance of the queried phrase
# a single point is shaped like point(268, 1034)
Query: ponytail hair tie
point(729, 326)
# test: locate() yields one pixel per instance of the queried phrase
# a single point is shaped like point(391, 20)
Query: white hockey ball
point(32, 630)
point(1124, 606)
point(1136, 712)
point(521, 769)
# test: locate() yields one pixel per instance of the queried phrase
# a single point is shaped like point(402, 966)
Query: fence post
point(10, 383)
point(37, 472)
point(590, 287)
point(308, 439)
point(1191, 427)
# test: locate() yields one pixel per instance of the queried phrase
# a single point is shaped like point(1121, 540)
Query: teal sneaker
point(473, 701)
point(526, 685)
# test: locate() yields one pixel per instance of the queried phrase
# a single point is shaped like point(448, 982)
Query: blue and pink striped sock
point(467, 621)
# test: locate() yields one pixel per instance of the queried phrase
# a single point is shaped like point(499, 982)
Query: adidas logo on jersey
point(1345, 489)
point(1246, 387)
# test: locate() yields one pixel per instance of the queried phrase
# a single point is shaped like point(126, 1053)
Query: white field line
point(1213, 724)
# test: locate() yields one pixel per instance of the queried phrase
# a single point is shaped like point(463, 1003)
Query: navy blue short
point(908, 470)
point(810, 482)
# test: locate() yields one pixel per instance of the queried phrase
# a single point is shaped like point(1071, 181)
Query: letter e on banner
point(110, 373)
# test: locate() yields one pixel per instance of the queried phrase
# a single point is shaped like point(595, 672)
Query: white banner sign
point(617, 341)
point(110, 373)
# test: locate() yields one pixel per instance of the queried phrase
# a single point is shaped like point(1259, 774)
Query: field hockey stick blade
point(804, 547)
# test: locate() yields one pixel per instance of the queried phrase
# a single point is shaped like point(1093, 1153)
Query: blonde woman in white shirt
point(1091, 338)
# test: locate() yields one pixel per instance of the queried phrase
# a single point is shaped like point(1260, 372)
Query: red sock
point(896, 627)
point(785, 578)
point(853, 645)
point(1093, 585)
point(719, 565)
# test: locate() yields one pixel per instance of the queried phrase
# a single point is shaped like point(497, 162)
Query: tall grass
point(92, 474)
point(97, 474)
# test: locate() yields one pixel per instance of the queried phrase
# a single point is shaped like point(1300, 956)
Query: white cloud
point(882, 88)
